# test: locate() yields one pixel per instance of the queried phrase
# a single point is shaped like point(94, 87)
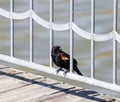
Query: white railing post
point(31, 33)
point(11, 28)
point(92, 38)
point(115, 14)
point(71, 35)
point(51, 31)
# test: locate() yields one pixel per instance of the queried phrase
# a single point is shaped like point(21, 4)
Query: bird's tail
point(77, 70)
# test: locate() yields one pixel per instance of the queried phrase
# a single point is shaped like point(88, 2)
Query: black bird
point(62, 60)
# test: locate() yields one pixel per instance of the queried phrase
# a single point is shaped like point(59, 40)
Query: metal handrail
point(52, 26)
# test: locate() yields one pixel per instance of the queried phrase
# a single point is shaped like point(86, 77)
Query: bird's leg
point(57, 71)
point(65, 72)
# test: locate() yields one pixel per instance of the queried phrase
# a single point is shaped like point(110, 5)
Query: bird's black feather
point(62, 59)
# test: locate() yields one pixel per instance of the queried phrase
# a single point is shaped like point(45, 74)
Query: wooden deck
point(20, 86)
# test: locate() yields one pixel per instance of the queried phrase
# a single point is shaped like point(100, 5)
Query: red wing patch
point(63, 57)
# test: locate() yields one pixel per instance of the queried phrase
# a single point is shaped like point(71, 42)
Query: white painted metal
point(71, 35)
point(7, 14)
point(51, 30)
point(115, 42)
point(11, 28)
point(62, 27)
point(31, 33)
point(46, 69)
point(92, 38)
point(40, 21)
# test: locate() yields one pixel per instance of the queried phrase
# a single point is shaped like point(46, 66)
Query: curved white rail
point(60, 27)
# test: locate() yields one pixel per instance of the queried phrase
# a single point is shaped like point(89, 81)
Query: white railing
point(30, 14)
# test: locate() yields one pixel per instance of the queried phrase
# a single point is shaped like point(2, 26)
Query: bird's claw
point(57, 71)
point(65, 72)
point(60, 69)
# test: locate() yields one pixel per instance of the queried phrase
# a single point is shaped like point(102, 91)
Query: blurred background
point(103, 24)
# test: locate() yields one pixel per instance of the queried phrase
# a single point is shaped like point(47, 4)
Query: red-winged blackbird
point(62, 60)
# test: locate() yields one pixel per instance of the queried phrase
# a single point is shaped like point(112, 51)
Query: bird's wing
point(64, 56)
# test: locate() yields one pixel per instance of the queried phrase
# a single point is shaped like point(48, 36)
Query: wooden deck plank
point(38, 96)
point(71, 95)
point(20, 86)
point(28, 92)
point(7, 83)
point(41, 87)
point(61, 96)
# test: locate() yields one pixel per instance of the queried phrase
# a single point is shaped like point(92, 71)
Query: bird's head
point(55, 49)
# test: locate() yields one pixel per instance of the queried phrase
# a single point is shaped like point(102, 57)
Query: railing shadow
point(81, 93)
